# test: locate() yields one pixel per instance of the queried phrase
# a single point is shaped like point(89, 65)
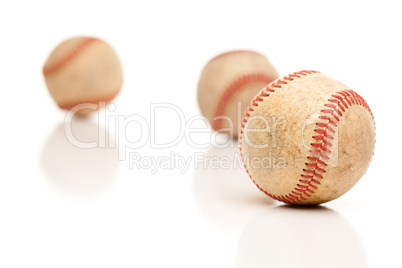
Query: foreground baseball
point(83, 70)
point(227, 85)
point(307, 138)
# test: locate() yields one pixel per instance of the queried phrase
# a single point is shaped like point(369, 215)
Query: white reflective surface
point(63, 206)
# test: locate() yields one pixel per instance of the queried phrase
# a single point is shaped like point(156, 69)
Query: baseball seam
point(234, 88)
point(325, 129)
point(48, 70)
point(271, 88)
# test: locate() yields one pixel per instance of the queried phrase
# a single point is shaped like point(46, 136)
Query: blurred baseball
point(83, 70)
point(307, 138)
point(227, 85)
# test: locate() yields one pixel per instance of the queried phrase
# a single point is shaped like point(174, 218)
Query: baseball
point(227, 85)
point(83, 70)
point(306, 138)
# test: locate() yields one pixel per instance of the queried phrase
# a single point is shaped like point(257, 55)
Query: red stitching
point(48, 70)
point(265, 93)
point(254, 103)
point(233, 89)
point(315, 167)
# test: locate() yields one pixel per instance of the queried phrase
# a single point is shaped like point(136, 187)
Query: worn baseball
point(83, 70)
point(227, 85)
point(307, 138)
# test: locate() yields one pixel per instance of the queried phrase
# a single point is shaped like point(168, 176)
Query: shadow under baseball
point(75, 171)
point(294, 237)
point(224, 193)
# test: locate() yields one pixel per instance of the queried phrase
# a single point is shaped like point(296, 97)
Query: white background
point(65, 207)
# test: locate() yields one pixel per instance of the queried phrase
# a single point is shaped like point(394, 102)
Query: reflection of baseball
point(221, 193)
point(82, 70)
point(80, 172)
point(321, 159)
point(313, 237)
point(229, 79)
